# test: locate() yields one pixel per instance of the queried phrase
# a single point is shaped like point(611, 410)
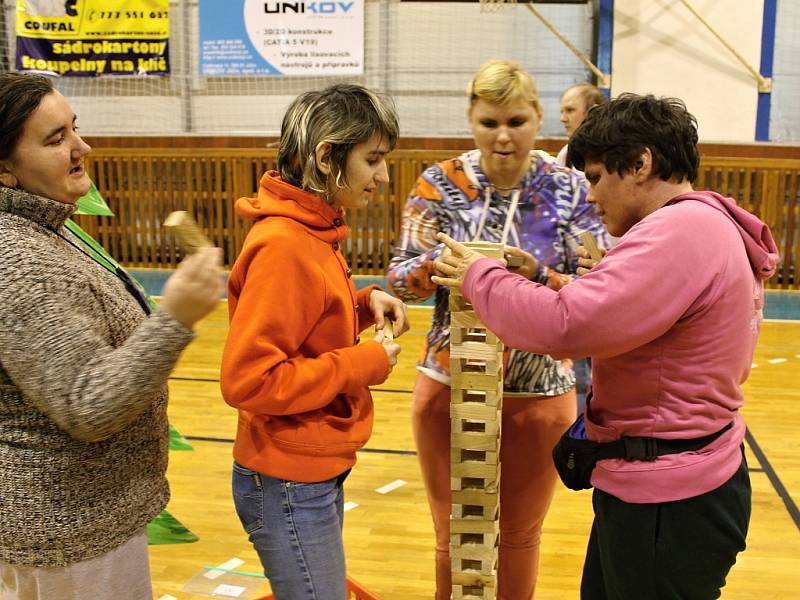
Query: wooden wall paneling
point(171, 200)
point(154, 209)
point(789, 250)
point(123, 216)
point(142, 185)
point(221, 179)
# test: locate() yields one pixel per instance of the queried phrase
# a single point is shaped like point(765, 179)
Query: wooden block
point(468, 592)
point(484, 553)
point(475, 350)
point(474, 526)
point(459, 335)
point(478, 512)
point(457, 302)
point(489, 484)
point(480, 497)
point(459, 426)
point(478, 381)
point(486, 565)
point(468, 396)
point(488, 539)
point(476, 470)
point(388, 333)
point(474, 441)
point(474, 412)
point(588, 241)
point(188, 233)
point(460, 366)
point(490, 249)
point(472, 578)
point(464, 455)
point(467, 319)
point(513, 261)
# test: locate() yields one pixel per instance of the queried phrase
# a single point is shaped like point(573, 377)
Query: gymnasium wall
point(662, 48)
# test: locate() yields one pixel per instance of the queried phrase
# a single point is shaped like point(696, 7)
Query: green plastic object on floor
point(166, 529)
point(177, 441)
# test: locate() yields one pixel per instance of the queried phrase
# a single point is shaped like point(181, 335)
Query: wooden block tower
point(476, 370)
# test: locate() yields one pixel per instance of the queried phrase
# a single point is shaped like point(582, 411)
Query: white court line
point(166, 597)
point(390, 487)
point(231, 591)
point(776, 361)
point(781, 320)
point(350, 506)
point(231, 564)
point(753, 366)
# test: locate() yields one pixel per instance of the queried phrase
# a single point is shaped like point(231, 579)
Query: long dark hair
point(20, 96)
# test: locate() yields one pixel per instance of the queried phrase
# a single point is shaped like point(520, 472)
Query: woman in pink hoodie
point(670, 317)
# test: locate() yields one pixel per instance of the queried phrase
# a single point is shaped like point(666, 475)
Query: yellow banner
point(93, 37)
point(109, 19)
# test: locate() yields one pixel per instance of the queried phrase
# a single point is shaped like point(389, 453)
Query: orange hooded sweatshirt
point(293, 365)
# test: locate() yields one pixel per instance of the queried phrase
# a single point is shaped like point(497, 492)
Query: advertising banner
point(93, 37)
point(300, 37)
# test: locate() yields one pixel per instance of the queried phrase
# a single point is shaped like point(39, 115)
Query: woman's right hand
point(195, 287)
point(391, 348)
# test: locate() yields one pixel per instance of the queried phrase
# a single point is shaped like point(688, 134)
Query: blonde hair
point(342, 115)
point(503, 82)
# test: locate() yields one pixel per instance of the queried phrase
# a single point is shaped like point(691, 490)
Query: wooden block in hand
point(388, 333)
point(513, 261)
point(189, 234)
point(591, 245)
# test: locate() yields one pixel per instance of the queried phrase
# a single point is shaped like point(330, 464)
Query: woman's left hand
point(453, 267)
point(386, 307)
point(525, 263)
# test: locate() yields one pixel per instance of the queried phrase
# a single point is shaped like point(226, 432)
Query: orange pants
point(531, 427)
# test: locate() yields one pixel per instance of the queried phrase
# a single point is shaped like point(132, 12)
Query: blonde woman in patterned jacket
point(504, 191)
point(83, 371)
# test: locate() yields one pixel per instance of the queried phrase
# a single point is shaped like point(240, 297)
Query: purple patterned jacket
point(545, 219)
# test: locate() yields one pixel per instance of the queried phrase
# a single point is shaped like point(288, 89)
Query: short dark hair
point(20, 96)
point(343, 115)
point(616, 133)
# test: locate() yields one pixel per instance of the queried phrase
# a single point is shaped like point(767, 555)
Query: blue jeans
point(296, 529)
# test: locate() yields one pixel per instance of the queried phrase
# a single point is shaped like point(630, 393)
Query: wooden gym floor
point(388, 534)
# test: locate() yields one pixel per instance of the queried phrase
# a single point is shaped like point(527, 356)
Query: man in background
point(575, 104)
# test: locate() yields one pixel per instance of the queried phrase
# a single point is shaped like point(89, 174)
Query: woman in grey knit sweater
point(83, 371)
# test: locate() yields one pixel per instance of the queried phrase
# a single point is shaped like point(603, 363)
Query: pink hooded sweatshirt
point(670, 318)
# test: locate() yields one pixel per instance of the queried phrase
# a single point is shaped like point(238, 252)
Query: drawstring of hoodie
point(512, 209)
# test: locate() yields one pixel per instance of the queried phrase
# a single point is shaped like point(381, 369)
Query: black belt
point(649, 448)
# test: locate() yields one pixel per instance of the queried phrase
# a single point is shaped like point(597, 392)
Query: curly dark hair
point(20, 96)
point(616, 133)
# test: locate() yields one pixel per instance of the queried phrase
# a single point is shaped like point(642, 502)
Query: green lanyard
point(97, 253)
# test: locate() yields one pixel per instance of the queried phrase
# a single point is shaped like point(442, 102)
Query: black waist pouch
point(575, 456)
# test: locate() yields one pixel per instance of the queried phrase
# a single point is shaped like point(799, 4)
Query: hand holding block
point(514, 261)
point(189, 234)
point(591, 245)
point(388, 332)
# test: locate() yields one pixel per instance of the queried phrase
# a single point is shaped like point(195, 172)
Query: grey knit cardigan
point(83, 371)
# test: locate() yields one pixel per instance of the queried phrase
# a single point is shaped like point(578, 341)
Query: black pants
point(669, 551)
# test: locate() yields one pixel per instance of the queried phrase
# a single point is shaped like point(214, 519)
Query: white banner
point(254, 37)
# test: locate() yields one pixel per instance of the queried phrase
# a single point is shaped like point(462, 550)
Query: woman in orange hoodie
point(293, 365)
